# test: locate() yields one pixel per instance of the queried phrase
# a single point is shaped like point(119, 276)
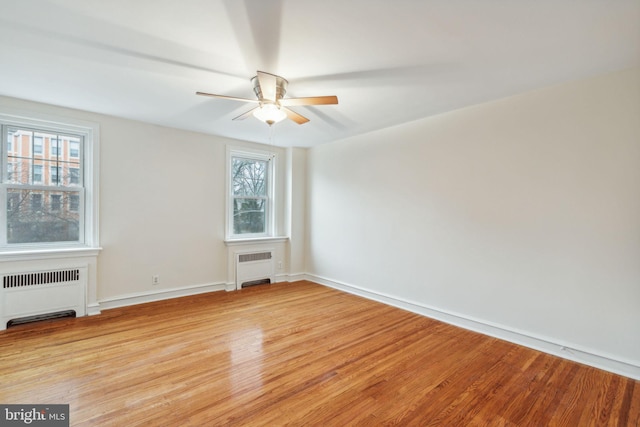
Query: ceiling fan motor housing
point(270, 91)
point(281, 87)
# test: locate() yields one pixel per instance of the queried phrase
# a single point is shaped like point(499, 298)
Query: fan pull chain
point(271, 135)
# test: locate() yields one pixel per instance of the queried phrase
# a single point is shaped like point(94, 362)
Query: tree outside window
point(250, 195)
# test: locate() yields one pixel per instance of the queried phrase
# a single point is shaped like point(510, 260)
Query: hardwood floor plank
point(297, 354)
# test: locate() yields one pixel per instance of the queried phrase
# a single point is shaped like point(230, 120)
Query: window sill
point(254, 240)
point(57, 253)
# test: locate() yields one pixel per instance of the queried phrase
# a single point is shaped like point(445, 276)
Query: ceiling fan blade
point(295, 116)
point(312, 100)
point(245, 115)
point(233, 98)
point(268, 85)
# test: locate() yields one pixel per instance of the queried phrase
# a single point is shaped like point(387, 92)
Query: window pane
point(249, 177)
point(18, 171)
point(249, 216)
point(69, 174)
point(40, 158)
point(42, 216)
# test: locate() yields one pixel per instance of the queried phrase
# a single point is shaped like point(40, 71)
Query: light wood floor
point(297, 354)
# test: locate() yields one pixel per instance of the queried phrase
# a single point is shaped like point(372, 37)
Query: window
point(37, 145)
point(74, 202)
point(74, 176)
point(49, 194)
point(74, 149)
point(37, 174)
point(53, 174)
point(36, 202)
point(56, 202)
point(53, 148)
point(250, 194)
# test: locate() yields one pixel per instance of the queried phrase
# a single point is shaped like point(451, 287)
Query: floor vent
point(254, 268)
point(35, 295)
point(256, 282)
point(40, 317)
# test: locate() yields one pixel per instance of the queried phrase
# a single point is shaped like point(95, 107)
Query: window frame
point(270, 208)
point(88, 192)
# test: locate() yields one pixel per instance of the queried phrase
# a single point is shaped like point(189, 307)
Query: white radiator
point(38, 293)
point(253, 268)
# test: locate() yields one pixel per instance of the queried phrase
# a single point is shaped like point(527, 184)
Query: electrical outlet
point(155, 280)
point(279, 265)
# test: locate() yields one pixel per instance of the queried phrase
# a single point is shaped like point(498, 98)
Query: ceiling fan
point(270, 90)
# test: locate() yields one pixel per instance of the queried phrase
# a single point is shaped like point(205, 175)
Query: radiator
point(39, 293)
point(254, 268)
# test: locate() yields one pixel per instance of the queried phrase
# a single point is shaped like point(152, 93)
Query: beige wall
point(162, 204)
point(523, 213)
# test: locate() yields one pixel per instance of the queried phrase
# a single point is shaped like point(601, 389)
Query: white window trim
point(271, 205)
point(90, 152)
point(256, 240)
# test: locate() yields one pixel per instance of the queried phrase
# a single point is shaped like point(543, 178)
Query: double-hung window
point(47, 192)
point(250, 194)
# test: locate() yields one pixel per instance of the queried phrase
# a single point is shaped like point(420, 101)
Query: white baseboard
point(93, 309)
point(290, 277)
point(568, 351)
point(159, 295)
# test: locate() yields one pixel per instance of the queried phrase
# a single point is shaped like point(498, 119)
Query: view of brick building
point(43, 177)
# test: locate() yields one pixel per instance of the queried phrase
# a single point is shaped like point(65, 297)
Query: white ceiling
point(388, 62)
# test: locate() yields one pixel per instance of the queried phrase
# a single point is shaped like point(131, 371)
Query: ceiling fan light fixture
point(269, 113)
point(270, 90)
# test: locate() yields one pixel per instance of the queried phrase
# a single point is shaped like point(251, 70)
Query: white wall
point(295, 218)
point(162, 206)
point(521, 214)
